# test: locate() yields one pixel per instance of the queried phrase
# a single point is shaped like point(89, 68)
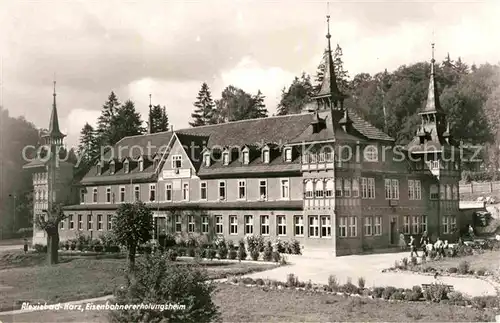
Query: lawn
point(245, 304)
point(84, 277)
point(489, 260)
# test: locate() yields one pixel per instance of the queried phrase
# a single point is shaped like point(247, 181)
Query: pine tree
point(126, 122)
point(298, 94)
point(320, 73)
point(159, 119)
point(204, 108)
point(461, 67)
point(88, 150)
point(341, 74)
point(258, 109)
point(109, 111)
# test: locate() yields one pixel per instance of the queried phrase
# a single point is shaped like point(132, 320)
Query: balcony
point(176, 173)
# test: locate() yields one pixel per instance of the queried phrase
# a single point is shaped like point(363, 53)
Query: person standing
point(424, 241)
point(25, 245)
point(402, 242)
point(413, 247)
point(471, 232)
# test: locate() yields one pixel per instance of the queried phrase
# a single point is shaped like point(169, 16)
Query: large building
point(325, 177)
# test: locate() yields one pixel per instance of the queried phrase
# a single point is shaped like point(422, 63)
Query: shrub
point(292, 280)
point(412, 296)
point(453, 270)
point(222, 249)
point(333, 283)
point(481, 302)
point(233, 254)
point(200, 253)
point(181, 252)
point(287, 247)
point(388, 291)
point(242, 254)
point(481, 272)
point(413, 261)
point(361, 282)
point(280, 246)
point(254, 254)
point(463, 267)
point(211, 253)
point(39, 248)
point(268, 252)
point(159, 283)
point(417, 289)
point(308, 285)
point(428, 269)
point(72, 245)
point(378, 292)
point(404, 263)
point(98, 248)
point(248, 281)
point(171, 255)
point(276, 256)
point(397, 296)
point(455, 297)
point(295, 247)
point(191, 252)
point(350, 288)
point(435, 292)
point(259, 282)
point(255, 244)
point(166, 240)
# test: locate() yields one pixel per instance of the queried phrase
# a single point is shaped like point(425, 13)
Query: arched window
point(309, 189)
point(329, 188)
point(319, 188)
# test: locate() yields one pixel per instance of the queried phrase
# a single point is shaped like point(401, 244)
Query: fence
point(480, 187)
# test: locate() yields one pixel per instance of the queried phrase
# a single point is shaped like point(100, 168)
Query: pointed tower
point(150, 120)
point(54, 136)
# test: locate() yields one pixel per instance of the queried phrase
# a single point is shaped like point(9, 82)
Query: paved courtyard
point(317, 267)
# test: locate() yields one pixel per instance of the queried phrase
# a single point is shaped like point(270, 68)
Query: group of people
point(425, 245)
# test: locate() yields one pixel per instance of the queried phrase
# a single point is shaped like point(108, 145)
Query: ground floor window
point(423, 224)
point(281, 220)
point(204, 224)
point(377, 228)
point(191, 223)
point(110, 222)
point(80, 222)
point(406, 227)
point(416, 224)
point(299, 225)
point(264, 225)
point(233, 225)
point(178, 223)
point(248, 224)
point(218, 224)
point(353, 226)
point(71, 223)
point(326, 226)
point(343, 226)
point(313, 226)
point(449, 224)
point(99, 222)
point(368, 225)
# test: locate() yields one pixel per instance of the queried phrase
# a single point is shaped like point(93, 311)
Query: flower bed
point(436, 293)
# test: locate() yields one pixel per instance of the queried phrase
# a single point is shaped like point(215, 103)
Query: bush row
point(463, 268)
point(437, 293)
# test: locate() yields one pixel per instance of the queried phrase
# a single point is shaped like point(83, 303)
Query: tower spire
point(55, 135)
point(432, 105)
point(150, 120)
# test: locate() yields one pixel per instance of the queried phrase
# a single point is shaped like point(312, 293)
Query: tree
point(51, 226)
point(298, 94)
point(88, 149)
point(132, 226)
point(158, 281)
point(235, 104)
point(105, 120)
point(159, 119)
point(258, 106)
point(320, 72)
point(126, 122)
point(341, 74)
point(204, 108)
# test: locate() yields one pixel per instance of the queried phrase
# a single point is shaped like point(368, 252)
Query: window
point(126, 166)
point(265, 156)
point(122, 193)
point(191, 223)
point(418, 190)
point(141, 164)
point(152, 192)
point(281, 220)
point(110, 222)
point(326, 226)
point(206, 159)
point(434, 191)
point(329, 188)
point(456, 192)
point(246, 157)
point(80, 222)
point(89, 222)
point(285, 188)
point(137, 192)
point(233, 225)
point(99, 222)
point(108, 194)
point(347, 187)
point(411, 189)
point(355, 187)
point(416, 224)
point(453, 223)
point(368, 226)
point(263, 189)
point(391, 189)
point(242, 189)
point(313, 226)
point(288, 154)
point(168, 192)
point(364, 187)
point(203, 190)
point(98, 169)
point(185, 191)
point(264, 225)
point(225, 158)
point(343, 226)
point(71, 223)
point(204, 224)
point(448, 192)
point(338, 187)
point(423, 224)
point(377, 229)
point(176, 161)
point(61, 225)
point(442, 192)
point(94, 195)
point(82, 195)
point(178, 223)
point(309, 189)
point(222, 190)
point(298, 223)
point(218, 224)
point(248, 224)
point(371, 188)
point(371, 153)
point(446, 225)
point(353, 226)
point(406, 227)
point(112, 167)
point(319, 189)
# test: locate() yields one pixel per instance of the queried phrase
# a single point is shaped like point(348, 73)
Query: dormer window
point(112, 167)
point(206, 159)
point(98, 169)
point(176, 161)
point(265, 156)
point(288, 154)
point(225, 158)
point(141, 164)
point(126, 166)
point(246, 157)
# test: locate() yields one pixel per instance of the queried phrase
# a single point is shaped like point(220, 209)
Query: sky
point(168, 48)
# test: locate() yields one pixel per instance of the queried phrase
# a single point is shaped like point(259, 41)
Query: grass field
point(83, 277)
point(245, 304)
point(489, 260)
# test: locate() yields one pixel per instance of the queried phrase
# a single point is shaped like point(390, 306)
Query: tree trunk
point(131, 259)
point(52, 247)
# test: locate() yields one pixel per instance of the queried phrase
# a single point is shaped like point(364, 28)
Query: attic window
point(225, 158)
point(141, 164)
point(246, 157)
point(126, 166)
point(98, 169)
point(206, 159)
point(112, 167)
point(176, 161)
point(288, 154)
point(265, 156)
